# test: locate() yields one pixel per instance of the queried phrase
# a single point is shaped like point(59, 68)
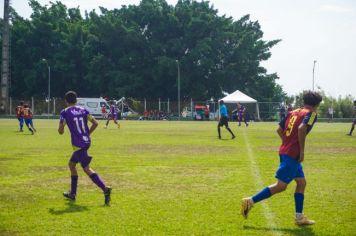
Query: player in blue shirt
point(224, 120)
point(77, 118)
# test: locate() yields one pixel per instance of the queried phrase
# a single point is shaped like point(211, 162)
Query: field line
point(259, 184)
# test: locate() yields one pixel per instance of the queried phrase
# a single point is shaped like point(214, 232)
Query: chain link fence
point(162, 109)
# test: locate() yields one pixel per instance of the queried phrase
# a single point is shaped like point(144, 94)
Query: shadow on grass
point(71, 208)
point(304, 230)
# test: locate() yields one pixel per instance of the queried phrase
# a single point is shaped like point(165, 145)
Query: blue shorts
point(28, 122)
point(289, 169)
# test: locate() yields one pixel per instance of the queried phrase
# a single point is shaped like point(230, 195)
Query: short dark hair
point(221, 102)
point(71, 97)
point(25, 106)
point(312, 98)
point(21, 103)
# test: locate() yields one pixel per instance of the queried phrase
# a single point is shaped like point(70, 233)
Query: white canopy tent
point(240, 97)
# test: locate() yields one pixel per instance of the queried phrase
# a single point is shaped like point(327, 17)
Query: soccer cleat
point(118, 126)
point(69, 196)
point(219, 137)
point(233, 137)
point(246, 206)
point(107, 194)
point(349, 134)
point(304, 221)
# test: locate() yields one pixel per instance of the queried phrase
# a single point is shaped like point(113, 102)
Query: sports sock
point(264, 194)
point(74, 183)
point(299, 200)
point(219, 131)
point(96, 179)
point(352, 129)
point(230, 132)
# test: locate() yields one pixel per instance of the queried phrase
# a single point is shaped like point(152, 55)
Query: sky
point(321, 30)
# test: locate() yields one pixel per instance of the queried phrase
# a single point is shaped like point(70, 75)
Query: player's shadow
point(303, 230)
point(71, 208)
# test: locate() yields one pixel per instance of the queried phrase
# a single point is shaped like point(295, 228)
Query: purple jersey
point(76, 118)
point(241, 109)
point(113, 110)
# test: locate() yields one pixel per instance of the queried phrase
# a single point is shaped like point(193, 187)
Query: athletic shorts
point(289, 169)
point(82, 157)
point(224, 121)
point(354, 122)
point(28, 122)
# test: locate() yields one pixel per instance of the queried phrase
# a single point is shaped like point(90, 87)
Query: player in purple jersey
point(113, 113)
point(354, 121)
point(76, 118)
point(241, 114)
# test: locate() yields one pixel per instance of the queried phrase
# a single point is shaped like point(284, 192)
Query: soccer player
point(292, 131)
point(354, 121)
point(224, 120)
point(27, 114)
point(19, 115)
point(112, 116)
point(241, 113)
point(77, 118)
point(103, 111)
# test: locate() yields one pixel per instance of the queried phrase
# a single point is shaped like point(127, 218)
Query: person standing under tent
point(224, 120)
point(241, 113)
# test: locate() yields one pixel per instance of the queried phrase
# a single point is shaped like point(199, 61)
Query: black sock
point(230, 131)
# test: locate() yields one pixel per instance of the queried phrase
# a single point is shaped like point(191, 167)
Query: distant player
point(113, 114)
point(293, 131)
point(354, 121)
point(241, 112)
point(27, 115)
point(19, 115)
point(224, 120)
point(103, 111)
point(282, 112)
point(77, 118)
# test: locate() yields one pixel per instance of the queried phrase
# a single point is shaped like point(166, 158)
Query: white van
point(93, 105)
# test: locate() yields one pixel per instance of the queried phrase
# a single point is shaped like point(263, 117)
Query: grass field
point(173, 178)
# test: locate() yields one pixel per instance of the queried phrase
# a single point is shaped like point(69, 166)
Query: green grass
point(173, 178)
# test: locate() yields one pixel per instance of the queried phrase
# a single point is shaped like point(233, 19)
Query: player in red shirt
point(103, 111)
point(293, 131)
point(27, 114)
point(19, 115)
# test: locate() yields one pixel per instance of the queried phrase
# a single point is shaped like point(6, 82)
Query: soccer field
point(173, 178)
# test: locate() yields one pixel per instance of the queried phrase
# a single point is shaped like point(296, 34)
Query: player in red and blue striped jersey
point(27, 115)
point(292, 131)
point(19, 115)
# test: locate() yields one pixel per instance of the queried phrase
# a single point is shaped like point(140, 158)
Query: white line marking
point(256, 173)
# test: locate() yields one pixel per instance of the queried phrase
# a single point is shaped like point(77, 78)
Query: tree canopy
point(134, 51)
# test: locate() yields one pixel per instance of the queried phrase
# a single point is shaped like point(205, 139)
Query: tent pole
point(258, 111)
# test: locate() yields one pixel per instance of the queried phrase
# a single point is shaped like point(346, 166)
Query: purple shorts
point(82, 157)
